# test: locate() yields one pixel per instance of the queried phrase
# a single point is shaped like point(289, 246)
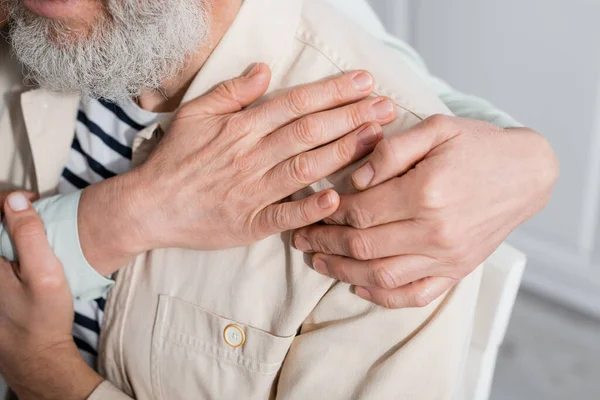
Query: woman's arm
point(38, 358)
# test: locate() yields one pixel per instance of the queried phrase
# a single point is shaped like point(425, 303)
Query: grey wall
point(539, 60)
point(396, 15)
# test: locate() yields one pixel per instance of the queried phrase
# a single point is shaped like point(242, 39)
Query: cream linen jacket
point(256, 322)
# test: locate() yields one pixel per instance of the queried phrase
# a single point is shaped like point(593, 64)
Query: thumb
point(232, 96)
point(4, 194)
point(37, 261)
point(395, 155)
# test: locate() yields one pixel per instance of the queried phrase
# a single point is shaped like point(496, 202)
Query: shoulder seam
point(311, 40)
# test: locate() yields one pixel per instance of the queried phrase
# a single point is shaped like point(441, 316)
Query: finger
point(231, 96)
point(397, 154)
point(36, 259)
point(308, 99)
point(395, 200)
point(418, 294)
point(4, 194)
point(301, 171)
point(324, 127)
point(385, 273)
point(293, 215)
point(399, 238)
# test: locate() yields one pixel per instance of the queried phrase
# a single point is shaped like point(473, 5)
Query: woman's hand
point(435, 202)
point(38, 358)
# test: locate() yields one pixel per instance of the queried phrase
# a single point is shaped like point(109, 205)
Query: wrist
point(542, 154)
point(111, 223)
point(541, 167)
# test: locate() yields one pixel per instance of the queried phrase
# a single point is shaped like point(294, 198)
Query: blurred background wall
point(540, 61)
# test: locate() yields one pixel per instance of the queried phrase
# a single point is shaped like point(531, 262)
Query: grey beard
point(135, 46)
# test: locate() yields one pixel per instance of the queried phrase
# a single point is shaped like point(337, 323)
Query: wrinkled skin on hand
point(434, 203)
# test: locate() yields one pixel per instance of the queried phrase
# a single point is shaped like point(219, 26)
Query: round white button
point(234, 336)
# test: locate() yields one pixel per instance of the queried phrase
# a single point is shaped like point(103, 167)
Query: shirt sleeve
point(106, 391)
point(350, 349)
point(461, 104)
point(59, 214)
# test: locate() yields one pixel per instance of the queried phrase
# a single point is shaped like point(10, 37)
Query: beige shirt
point(256, 322)
point(60, 213)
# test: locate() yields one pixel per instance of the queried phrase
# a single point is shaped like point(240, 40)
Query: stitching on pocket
point(187, 340)
point(156, 347)
point(213, 352)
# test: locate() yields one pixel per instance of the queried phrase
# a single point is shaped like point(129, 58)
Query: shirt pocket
point(197, 354)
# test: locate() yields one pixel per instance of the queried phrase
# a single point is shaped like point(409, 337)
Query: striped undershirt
point(101, 149)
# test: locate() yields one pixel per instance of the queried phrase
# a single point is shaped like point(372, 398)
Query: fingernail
point(18, 202)
point(363, 176)
point(253, 71)
point(321, 267)
point(325, 201)
point(383, 109)
point(302, 244)
point(363, 293)
point(368, 136)
point(363, 81)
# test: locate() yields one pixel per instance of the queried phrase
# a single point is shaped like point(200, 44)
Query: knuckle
point(343, 152)
point(48, 283)
point(340, 272)
point(279, 220)
point(236, 124)
point(308, 131)
point(438, 120)
point(338, 88)
point(304, 212)
point(243, 163)
point(431, 195)
point(459, 253)
point(321, 241)
point(358, 114)
point(443, 237)
point(302, 170)
point(359, 218)
point(360, 247)
point(227, 90)
point(391, 302)
point(299, 101)
point(421, 298)
point(384, 152)
point(384, 278)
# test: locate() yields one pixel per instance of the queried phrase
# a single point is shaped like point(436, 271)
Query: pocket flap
point(187, 325)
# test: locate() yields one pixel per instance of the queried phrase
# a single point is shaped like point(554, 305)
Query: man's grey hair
point(134, 45)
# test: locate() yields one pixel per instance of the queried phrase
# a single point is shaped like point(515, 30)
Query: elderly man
point(252, 321)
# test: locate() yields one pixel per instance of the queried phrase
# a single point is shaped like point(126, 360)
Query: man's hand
point(218, 178)
point(436, 201)
point(38, 358)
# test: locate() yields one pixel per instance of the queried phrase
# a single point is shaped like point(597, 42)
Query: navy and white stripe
point(101, 149)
